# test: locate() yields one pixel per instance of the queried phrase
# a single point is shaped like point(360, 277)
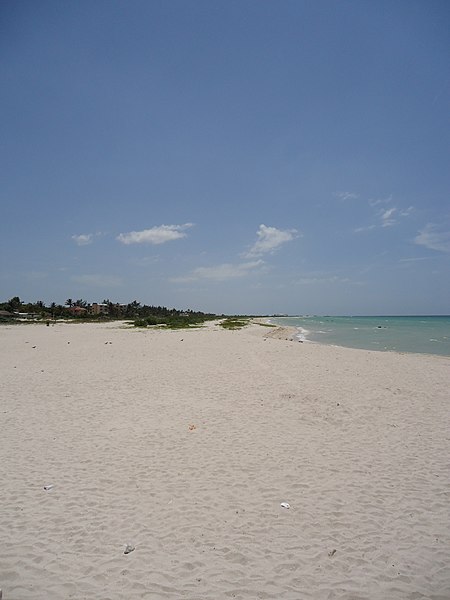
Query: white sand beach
point(183, 444)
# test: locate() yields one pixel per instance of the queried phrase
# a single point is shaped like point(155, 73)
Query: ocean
point(426, 335)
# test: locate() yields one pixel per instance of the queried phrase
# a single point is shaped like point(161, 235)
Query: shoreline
point(367, 343)
point(186, 444)
point(281, 332)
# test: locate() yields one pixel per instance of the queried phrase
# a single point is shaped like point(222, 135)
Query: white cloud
point(155, 235)
point(387, 219)
point(269, 239)
point(83, 239)
point(387, 216)
point(432, 238)
point(98, 280)
point(221, 272)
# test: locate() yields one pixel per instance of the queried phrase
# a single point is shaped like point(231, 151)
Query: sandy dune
point(184, 444)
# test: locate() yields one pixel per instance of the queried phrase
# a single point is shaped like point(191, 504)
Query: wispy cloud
point(433, 238)
point(414, 260)
point(378, 201)
point(221, 272)
point(406, 212)
point(363, 229)
point(156, 235)
point(322, 280)
point(97, 280)
point(387, 217)
point(269, 239)
point(346, 195)
point(390, 216)
point(84, 239)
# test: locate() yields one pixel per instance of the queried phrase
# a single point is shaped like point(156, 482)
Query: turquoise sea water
point(428, 335)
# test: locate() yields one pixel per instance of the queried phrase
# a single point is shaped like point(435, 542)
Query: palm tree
point(15, 304)
point(132, 309)
point(69, 302)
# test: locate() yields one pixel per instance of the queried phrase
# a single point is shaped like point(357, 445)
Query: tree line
point(15, 307)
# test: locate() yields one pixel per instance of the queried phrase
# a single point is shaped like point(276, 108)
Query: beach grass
point(234, 323)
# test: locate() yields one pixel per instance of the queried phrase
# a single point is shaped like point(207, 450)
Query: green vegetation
point(81, 311)
point(135, 313)
point(235, 323)
point(180, 321)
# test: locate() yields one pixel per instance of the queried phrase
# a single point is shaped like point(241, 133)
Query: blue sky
point(227, 156)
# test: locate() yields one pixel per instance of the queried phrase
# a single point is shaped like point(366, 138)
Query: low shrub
point(234, 323)
point(140, 323)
